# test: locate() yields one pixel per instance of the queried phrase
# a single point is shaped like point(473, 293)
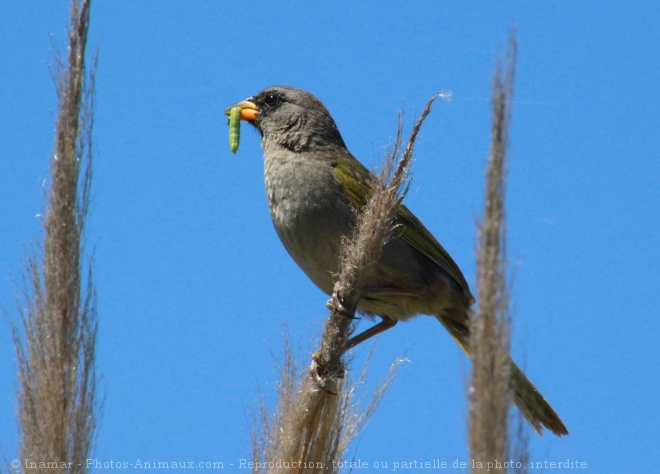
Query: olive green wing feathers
point(414, 232)
point(356, 183)
point(355, 180)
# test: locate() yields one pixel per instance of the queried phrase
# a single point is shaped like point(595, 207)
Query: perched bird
point(315, 186)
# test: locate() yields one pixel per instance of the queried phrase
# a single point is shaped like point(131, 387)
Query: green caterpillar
point(234, 128)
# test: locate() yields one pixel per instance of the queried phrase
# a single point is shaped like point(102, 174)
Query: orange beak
point(249, 110)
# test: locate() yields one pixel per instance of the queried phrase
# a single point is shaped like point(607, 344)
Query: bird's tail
point(529, 400)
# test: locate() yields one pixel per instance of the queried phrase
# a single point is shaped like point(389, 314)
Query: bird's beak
point(249, 110)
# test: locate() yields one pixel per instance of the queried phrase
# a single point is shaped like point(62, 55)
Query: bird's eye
point(271, 100)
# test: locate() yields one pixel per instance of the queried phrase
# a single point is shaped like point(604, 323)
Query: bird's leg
point(382, 326)
point(382, 294)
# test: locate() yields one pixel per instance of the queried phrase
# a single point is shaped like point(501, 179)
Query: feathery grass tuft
point(57, 401)
point(490, 393)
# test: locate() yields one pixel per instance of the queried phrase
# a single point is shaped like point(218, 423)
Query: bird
point(315, 188)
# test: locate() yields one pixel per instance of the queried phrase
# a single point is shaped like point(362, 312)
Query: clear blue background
point(194, 288)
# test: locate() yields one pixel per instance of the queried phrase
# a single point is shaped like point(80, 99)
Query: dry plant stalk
point(57, 382)
point(316, 417)
point(490, 389)
point(374, 225)
point(310, 428)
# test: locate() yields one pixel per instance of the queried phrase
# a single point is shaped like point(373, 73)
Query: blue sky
point(194, 288)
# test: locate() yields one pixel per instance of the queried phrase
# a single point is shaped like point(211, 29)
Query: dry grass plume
point(490, 388)
point(55, 345)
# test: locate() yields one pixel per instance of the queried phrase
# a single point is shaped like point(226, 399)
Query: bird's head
point(290, 118)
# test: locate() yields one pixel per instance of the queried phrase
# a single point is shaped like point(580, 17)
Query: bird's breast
point(310, 215)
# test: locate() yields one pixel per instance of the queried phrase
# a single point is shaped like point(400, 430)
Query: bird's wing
point(413, 231)
point(356, 184)
point(355, 181)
